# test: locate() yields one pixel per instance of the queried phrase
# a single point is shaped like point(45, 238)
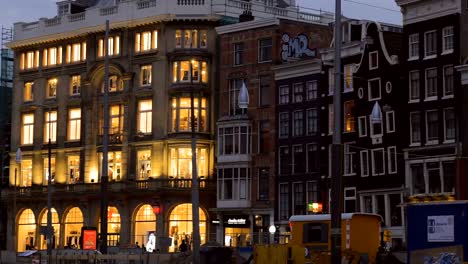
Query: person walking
point(183, 246)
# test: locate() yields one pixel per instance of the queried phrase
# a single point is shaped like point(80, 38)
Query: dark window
point(313, 233)
point(238, 53)
point(264, 91)
point(284, 201)
point(299, 160)
point(311, 90)
point(298, 194)
point(284, 160)
point(284, 94)
point(265, 50)
point(263, 183)
point(395, 209)
point(283, 125)
point(449, 176)
point(234, 89)
point(263, 142)
point(312, 158)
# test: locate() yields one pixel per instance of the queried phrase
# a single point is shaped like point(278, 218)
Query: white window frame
point(445, 50)
point(281, 209)
point(363, 153)
point(331, 81)
point(369, 89)
point(411, 129)
point(392, 153)
point(387, 121)
point(374, 173)
point(445, 126)
point(372, 53)
point(446, 96)
point(433, 97)
point(411, 42)
point(348, 68)
point(349, 198)
point(301, 132)
point(435, 141)
point(426, 57)
point(311, 86)
point(75, 134)
point(280, 134)
point(293, 167)
point(362, 129)
point(311, 110)
point(347, 153)
point(411, 87)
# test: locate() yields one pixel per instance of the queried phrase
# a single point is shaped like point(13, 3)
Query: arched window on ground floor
point(181, 227)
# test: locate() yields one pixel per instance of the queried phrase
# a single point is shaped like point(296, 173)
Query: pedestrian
point(183, 246)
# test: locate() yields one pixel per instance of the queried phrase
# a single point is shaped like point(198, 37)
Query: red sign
point(89, 239)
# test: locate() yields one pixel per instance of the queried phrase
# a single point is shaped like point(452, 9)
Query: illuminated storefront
point(145, 223)
point(73, 223)
point(55, 226)
point(26, 230)
point(113, 226)
point(236, 231)
point(181, 226)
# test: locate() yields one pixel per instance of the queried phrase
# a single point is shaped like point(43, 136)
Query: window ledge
point(374, 99)
point(361, 136)
point(430, 57)
point(351, 174)
point(267, 61)
point(413, 101)
point(373, 68)
point(413, 58)
point(431, 143)
point(415, 144)
point(445, 52)
point(429, 99)
point(447, 96)
point(449, 141)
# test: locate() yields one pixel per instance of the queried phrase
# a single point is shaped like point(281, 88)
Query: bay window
point(234, 183)
point(190, 71)
point(191, 39)
point(433, 176)
point(181, 162)
point(181, 114)
point(145, 41)
point(234, 140)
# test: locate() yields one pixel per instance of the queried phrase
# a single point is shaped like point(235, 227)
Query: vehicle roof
point(325, 217)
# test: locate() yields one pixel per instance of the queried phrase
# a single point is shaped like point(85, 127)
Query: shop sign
point(216, 222)
point(89, 239)
point(235, 221)
point(440, 228)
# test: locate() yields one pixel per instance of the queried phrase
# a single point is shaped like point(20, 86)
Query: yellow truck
point(311, 243)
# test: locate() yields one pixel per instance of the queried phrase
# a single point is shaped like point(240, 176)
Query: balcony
point(136, 12)
point(153, 185)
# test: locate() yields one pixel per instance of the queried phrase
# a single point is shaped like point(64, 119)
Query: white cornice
point(297, 69)
point(247, 25)
point(415, 11)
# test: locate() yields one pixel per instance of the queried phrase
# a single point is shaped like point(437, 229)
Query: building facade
point(373, 168)
point(247, 137)
point(434, 98)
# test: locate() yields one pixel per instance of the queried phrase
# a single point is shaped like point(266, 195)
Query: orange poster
point(89, 239)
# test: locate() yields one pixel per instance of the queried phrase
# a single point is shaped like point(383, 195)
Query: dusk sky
point(382, 10)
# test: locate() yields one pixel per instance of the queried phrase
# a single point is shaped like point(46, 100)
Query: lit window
point(75, 85)
point(145, 108)
point(73, 163)
point(146, 41)
point(114, 169)
point(27, 134)
point(28, 92)
point(349, 116)
point(447, 39)
point(52, 56)
point(190, 71)
point(50, 126)
point(187, 39)
point(116, 116)
point(113, 46)
point(115, 84)
point(25, 179)
point(29, 60)
point(76, 52)
point(430, 44)
point(194, 39)
point(145, 75)
point(203, 39)
point(348, 77)
point(181, 114)
point(52, 88)
point(178, 39)
point(144, 164)
point(46, 170)
point(181, 162)
point(74, 124)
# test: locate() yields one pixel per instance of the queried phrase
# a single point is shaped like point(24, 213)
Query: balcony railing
point(146, 4)
point(114, 187)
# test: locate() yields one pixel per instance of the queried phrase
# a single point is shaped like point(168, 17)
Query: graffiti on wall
point(295, 48)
